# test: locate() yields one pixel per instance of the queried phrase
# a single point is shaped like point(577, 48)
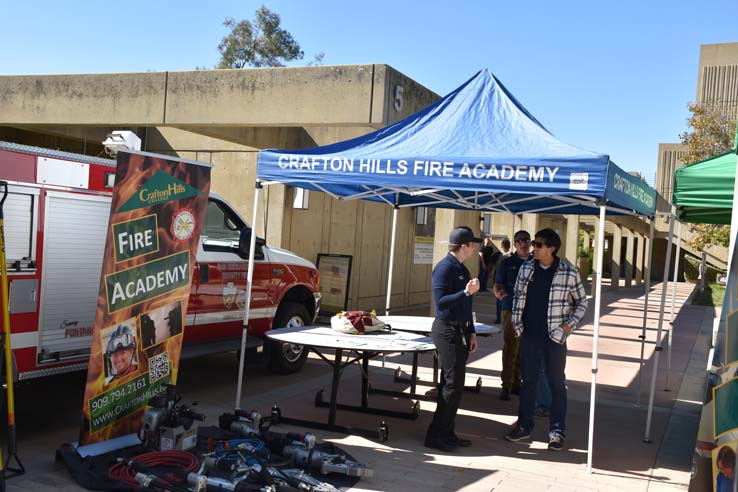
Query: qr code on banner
point(158, 366)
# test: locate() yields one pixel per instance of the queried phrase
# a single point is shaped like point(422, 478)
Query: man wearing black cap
point(453, 335)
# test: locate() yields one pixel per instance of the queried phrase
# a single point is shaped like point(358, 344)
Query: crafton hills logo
point(160, 188)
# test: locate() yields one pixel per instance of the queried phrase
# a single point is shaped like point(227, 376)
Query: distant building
point(717, 85)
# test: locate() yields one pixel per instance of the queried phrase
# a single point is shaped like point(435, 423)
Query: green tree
point(711, 132)
point(261, 43)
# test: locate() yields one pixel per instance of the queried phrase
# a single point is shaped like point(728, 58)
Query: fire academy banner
point(714, 463)
point(156, 214)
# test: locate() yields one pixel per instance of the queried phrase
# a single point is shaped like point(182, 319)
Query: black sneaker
point(459, 441)
point(504, 395)
point(555, 441)
point(441, 445)
point(517, 434)
point(515, 390)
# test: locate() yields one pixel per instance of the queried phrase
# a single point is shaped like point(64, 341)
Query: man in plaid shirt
point(548, 305)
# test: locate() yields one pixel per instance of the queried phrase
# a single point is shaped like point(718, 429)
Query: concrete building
point(225, 117)
point(717, 85)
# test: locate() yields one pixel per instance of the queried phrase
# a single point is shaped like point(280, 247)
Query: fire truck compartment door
point(75, 228)
point(23, 296)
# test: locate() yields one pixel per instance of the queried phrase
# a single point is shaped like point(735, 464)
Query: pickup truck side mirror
point(244, 241)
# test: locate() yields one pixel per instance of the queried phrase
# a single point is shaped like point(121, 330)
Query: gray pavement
point(48, 411)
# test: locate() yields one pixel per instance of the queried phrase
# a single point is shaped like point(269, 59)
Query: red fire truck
point(56, 217)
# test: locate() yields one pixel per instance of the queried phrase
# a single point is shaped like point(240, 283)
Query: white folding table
point(364, 347)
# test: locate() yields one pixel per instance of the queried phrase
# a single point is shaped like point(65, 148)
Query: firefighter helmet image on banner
point(157, 210)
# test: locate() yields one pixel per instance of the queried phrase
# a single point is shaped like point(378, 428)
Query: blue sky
point(614, 77)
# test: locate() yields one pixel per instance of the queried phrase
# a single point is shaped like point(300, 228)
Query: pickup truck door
point(220, 279)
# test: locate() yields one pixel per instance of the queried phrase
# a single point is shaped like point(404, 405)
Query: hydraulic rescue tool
point(167, 425)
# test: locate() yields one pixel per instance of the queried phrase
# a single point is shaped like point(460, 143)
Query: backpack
point(358, 322)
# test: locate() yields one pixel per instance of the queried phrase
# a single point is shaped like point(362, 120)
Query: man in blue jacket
point(548, 305)
point(453, 335)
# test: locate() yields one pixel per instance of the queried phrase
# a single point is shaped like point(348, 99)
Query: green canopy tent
point(703, 191)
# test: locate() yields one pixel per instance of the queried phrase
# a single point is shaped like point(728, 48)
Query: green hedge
point(692, 270)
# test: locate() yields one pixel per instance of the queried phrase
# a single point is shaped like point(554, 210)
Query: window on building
point(300, 198)
point(486, 224)
point(425, 222)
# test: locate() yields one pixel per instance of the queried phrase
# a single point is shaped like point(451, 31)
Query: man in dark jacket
point(453, 335)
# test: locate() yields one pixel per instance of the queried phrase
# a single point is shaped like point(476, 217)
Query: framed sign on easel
point(335, 278)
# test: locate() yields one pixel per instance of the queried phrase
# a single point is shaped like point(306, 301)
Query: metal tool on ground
point(301, 448)
point(243, 423)
point(10, 394)
point(168, 425)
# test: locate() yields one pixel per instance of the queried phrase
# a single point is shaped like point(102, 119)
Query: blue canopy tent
point(477, 148)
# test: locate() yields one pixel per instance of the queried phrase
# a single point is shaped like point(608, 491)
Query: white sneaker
point(555, 441)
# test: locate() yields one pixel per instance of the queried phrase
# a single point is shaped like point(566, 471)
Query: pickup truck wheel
point(286, 358)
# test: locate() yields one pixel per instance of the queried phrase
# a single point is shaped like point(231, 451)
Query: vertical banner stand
point(12, 451)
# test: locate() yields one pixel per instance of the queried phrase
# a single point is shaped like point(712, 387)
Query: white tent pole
point(659, 347)
point(647, 275)
point(596, 338)
point(391, 261)
point(247, 303)
point(673, 301)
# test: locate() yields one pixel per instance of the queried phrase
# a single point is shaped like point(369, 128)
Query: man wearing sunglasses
point(503, 290)
point(548, 305)
point(453, 335)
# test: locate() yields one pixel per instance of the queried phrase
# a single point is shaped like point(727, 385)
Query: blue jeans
point(543, 392)
point(534, 353)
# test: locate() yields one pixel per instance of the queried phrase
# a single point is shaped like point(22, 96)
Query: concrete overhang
point(325, 96)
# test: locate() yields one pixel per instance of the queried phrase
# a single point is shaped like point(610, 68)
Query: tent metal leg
point(647, 275)
point(391, 261)
point(247, 303)
point(659, 345)
point(673, 302)
point(595, 338)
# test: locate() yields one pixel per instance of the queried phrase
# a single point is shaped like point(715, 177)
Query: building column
point(639, 259)
point(629, 248)
point(572, 239)
point(529, 222)
point(517, 225)
point(646, 251)
point(617, 244)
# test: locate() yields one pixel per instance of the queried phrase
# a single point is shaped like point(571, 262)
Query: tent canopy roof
point(703, 191)
point(476, 148)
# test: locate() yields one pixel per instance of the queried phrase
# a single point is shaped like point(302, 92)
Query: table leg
point(414, 377)
point(334, 387)
point(364, 381)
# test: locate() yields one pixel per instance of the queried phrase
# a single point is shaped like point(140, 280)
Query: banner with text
point(156, 214)
point(714, 461)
